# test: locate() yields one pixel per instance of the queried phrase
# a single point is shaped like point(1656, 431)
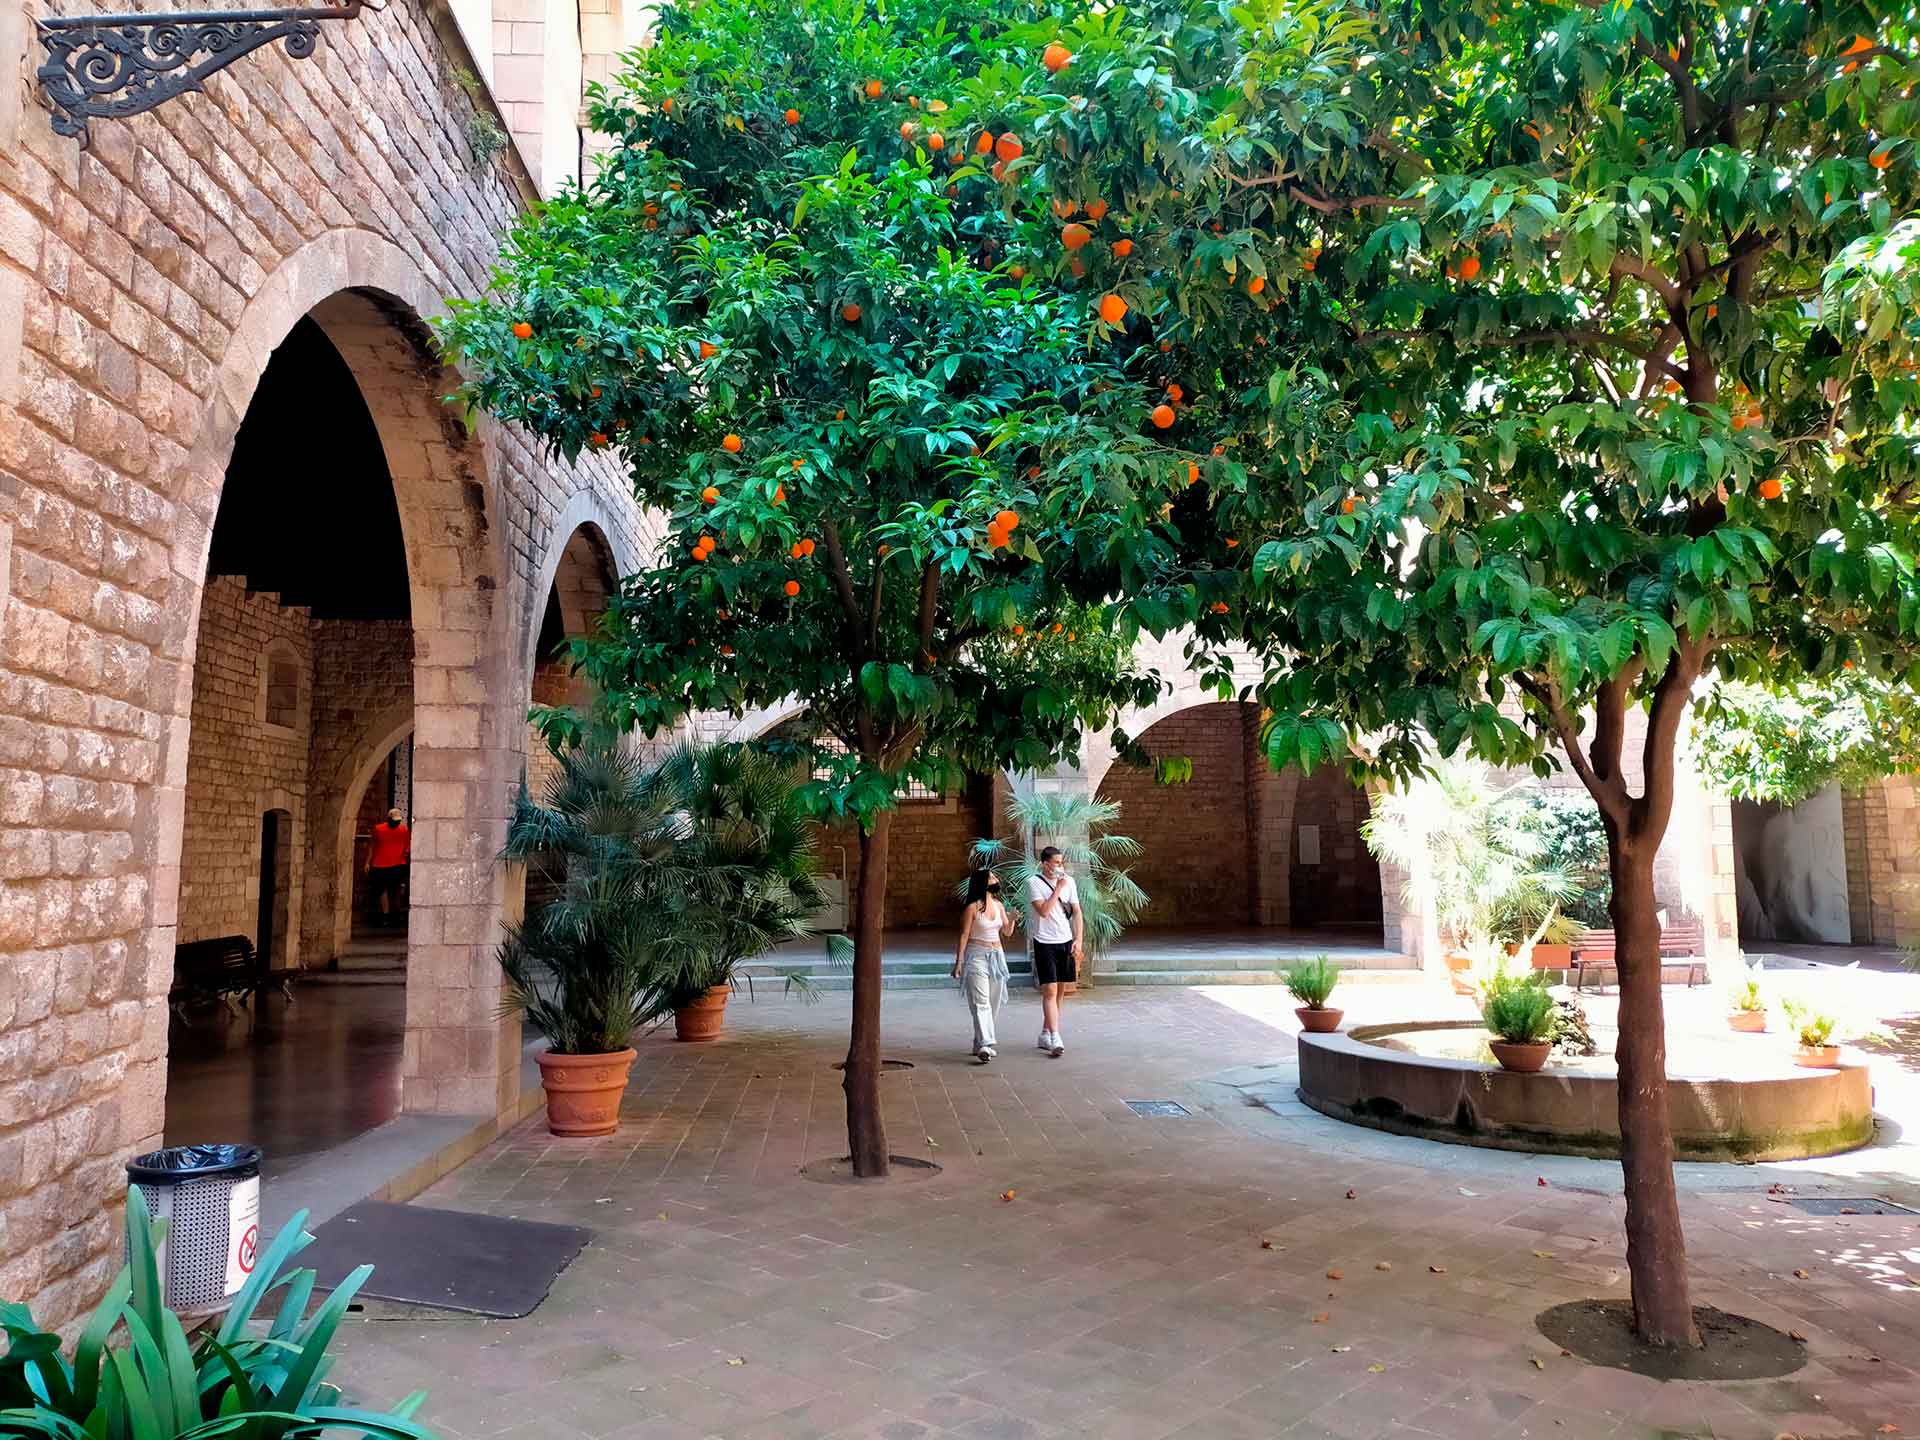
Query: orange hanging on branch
point(1112, 309)
point(1056, 57)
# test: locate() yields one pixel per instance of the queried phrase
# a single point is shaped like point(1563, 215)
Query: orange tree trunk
point(1656, 1248)
point(866, 1130)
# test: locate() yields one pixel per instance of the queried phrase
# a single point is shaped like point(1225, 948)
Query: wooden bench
point(223, 970)
point(1686, 942)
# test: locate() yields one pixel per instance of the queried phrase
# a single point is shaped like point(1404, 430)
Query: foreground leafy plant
point(238, 1381)
point(1812, 1026)
point(1519, 1014)
point(1312, 981)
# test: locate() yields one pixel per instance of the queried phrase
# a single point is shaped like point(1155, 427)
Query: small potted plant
point(1746, 1007)
point(1813, 1032)
point(1520, 1016)
point(1311, 982)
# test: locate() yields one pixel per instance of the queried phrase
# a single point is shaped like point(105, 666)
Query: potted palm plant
point(579, 968)
point(1746, 1006)
point(1109, 899)
point(1520, 1015)
point(1311, 982)
point(748, 876)
point(1813, 1033)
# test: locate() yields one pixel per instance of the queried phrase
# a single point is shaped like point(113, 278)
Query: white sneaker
point(1058, 1048)
point(984, 1054)
point(1046, 1041)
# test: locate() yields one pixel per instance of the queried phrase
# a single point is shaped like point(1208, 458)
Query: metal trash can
point(209, 1195)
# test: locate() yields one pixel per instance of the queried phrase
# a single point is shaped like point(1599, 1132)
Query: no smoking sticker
point(249, 1249)
point(243, 1232)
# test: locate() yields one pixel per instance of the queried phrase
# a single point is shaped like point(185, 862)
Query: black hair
point(1049, 853)
point(977, 885)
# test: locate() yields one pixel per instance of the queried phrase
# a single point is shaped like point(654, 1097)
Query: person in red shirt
point(387, 859)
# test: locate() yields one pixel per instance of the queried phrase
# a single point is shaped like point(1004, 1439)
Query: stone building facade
point(146, 281)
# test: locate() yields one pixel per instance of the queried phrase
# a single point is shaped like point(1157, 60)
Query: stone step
point(1408, 976)
point(1348, 964)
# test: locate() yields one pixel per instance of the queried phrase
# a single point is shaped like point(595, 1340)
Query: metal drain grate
point(1170, 1108)
point(1853, 1205)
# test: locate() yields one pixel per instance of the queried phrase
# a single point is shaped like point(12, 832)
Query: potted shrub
point(1746, 1007)
point(1311, 982)
point(1520, 1017)
point(1813, 1033)
point(579, 967)
point(746, 878)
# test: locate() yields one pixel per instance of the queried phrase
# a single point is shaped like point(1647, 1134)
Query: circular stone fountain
point(1428, 1078)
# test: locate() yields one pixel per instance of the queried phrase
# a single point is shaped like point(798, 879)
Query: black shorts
point(1053, 962)
point(386, 880)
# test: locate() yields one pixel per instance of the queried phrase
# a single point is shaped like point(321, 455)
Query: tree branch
point(1654, 808)
point(1356, 202)
point(1609, 794)
point(843, 585)
point(929, 605)
point(1581, 338)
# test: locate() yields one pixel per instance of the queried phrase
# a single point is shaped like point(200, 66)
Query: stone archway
point(369, 298)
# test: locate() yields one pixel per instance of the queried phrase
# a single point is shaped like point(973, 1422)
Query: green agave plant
point(243, 1381)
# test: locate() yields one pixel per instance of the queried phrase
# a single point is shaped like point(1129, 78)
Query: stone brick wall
point(238, 765)
point(1198, 862)
point(144, 281)
point(927, 850)
point(1344, 888)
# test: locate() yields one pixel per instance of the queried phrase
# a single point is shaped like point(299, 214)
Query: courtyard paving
point(1076, 1269)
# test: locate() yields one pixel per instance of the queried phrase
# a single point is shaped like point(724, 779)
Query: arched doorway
point(1238, 845)
point(308, 670)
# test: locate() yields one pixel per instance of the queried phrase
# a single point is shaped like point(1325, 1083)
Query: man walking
point(1053, 906)
point(387, 859)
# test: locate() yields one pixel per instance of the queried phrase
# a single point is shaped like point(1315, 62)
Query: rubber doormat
point(449, 1259)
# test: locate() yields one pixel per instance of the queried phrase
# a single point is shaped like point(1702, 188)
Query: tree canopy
point(1755, 742)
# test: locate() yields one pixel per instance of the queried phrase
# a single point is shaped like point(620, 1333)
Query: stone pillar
point(1883, 883)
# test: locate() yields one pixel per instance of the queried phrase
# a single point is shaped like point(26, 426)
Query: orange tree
point(1560, 356)
point(900, 470)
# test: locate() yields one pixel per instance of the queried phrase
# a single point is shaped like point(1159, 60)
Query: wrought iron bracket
point(108, 67)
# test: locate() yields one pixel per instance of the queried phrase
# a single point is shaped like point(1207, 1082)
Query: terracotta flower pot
point(701, 1019)
point(1459, 967)
point(1817, 1057)
point(583, 1091)
point(1318, 1020)
point(1747, 1022)
point(1524, 1058)
point(1548, 957)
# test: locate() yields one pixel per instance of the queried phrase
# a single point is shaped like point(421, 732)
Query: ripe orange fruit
point(1078, 268)
point(1175, 393)
point(873, 89)
point(806, 549)
point(1256, 283)
point(1007, 520)
point(936, 141)
point(1017, 273)
point(522, 330)
point(792, 587)
point(1469, 267)
point(793, 117)
point(708, 349)
point(1058, 627)
point(999, 170)
point(850, 312)
point(1881, 158)
point(1860, 44)
point(1018, 630)
point(1063, 208)
point(906, 129)
point(1231, 543)
point(730, 443)
point(984, 145)
point(596, 439)
point(706, 542)
point(996, 537)
point(667, 104)
point(1096, 210)
point(1112, 309)
point(1075, 236)
point(1008, 147)
point(1346, 505)
point(1193, 473)
point(1162, 416)
point(794, 550)
point(1219, 450)
point(727, 650)
point(779, 494)
point(650, 208)
point(1123, 248)
point(710, 495)
point(1056, 57)
point(885, 550)
point(1770, 489)
point(596, 392)
point(1219, 607)
point(839, 414)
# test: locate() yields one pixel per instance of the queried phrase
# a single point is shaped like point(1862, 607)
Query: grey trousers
point(983, 983)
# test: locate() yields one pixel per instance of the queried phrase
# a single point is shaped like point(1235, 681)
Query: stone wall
point(144, 281)
point(928, 846)
point(1343, 888)
point(239, 765)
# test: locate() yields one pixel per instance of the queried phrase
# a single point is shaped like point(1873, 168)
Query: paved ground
point(1124, 1291)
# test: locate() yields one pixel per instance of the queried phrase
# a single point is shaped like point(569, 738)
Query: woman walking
point(979, 963)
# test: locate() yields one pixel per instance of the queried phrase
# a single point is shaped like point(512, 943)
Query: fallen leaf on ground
point(932, 1144)
point(1438, 1269)
point(1341, 1349)
point(1470, 1194)
point(1566, 1354)
point(1376, 1369)
point(1335, 1275)
point(1887, 1429)
point(1353, 1194)
point(604, 1200)
point(1383, 1265)
point(1266, 1244)
point(736, 1360)
point(1541, 1181)
point(663, 1214)
point(1796, 1335)
point(1322, 1318)
point(1008, 1194)
point(1803, 1274)
point(1538, 1363)
point(1543, 1255)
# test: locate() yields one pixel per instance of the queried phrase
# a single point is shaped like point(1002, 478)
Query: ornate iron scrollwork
point(107, 67)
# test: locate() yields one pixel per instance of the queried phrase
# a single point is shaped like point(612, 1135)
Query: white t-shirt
point(1054, 928)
